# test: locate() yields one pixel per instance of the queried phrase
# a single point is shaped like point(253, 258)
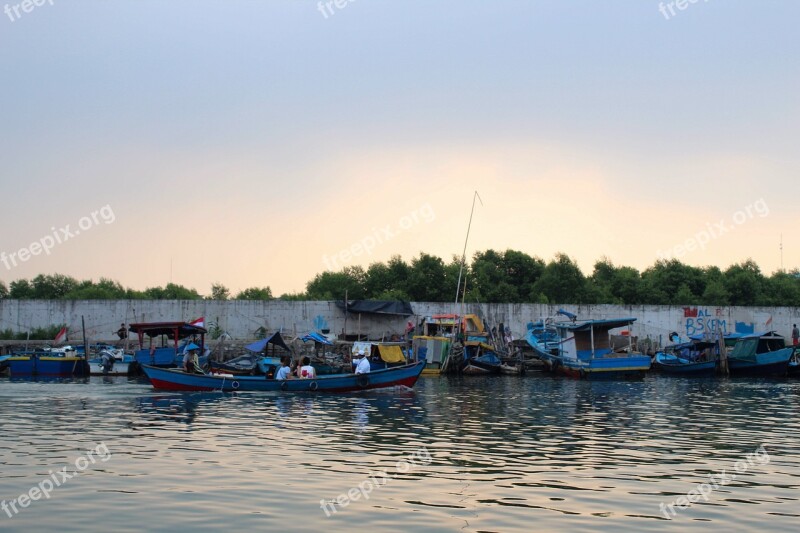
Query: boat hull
point(772, 364)
point(604, 368)
point(177, 380)
point(672, 367)
point(29, 366)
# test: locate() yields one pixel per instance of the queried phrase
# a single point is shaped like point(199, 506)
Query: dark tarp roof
point(377, 307)
point(154, 329)
point(275, 339)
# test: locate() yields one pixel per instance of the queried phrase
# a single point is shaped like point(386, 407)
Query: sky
point(259, 143)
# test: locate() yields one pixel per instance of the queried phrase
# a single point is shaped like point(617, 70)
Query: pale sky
point(249, 143)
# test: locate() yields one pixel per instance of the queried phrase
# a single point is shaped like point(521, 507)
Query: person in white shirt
point(307, 371)
point(284, 372)
point(363, 366)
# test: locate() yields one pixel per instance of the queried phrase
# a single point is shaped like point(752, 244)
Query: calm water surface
point(492, 454)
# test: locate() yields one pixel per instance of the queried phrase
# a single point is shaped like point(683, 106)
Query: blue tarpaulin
point(316, 337)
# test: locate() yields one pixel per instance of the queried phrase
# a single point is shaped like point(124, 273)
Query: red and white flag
point(61, 337)
point(769, 321)
point(200, 322)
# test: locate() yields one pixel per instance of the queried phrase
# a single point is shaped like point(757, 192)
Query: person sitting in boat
point(284, 372)
point(307, 371)
point(190, 361)
point(363, 365)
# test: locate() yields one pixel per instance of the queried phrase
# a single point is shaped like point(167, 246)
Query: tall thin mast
point(464, 253)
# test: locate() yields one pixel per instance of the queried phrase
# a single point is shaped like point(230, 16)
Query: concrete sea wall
point(242, 319)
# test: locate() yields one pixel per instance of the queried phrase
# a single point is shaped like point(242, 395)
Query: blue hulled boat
point(165, 356)
point(696, 358)
point(50, 363)
point(175, 379)
point(760, 354)
point(586, 351)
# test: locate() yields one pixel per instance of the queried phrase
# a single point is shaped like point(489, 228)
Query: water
point(492, 454)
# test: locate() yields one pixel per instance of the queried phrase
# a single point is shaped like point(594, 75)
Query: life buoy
point(362, 380)
point(284, 386)
point(235, 385)
point(313, 386)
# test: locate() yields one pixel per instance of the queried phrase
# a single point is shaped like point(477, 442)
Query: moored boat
point(164, 356)
point(694, 358)
point(761, 354)
point(586, 351)
point(175, 379)
point(49, 363)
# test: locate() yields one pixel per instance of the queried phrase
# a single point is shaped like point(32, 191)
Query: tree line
point(490, 277)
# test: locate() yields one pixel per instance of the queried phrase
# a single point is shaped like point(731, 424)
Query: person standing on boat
point(363, 365)
point(122, 333)
point(795, 335)
point(307, 371)
point(284, 372)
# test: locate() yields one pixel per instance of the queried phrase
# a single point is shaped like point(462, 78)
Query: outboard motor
point(106, 361)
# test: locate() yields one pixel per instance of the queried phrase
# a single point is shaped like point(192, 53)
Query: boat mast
point(464, 253)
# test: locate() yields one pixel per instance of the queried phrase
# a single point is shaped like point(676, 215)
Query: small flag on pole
point(768, 323)
point(61, 337)
point(200, 322)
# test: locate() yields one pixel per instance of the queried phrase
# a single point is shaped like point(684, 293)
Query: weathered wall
point(241, 318)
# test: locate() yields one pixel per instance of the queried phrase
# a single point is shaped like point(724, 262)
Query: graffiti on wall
point(320, 324)
point(706, 321)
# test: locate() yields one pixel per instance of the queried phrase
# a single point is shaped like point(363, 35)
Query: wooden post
point(723, 356)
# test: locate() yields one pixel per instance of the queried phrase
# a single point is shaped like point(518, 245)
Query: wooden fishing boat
point(760, 354)
point(175, 379)
point(695, 358)
point(673, 365)
point(165, 356)
point(586, 352)
point(50, 363)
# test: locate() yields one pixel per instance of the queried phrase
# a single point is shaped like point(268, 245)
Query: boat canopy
point(376, 307)
point(170, 329)
point(611, 323)
point(749, 346)
point(391, 354)
point(275, 339)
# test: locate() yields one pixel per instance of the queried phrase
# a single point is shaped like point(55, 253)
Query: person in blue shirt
point(284, 372)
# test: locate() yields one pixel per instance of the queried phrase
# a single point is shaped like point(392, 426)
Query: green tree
point(561, 282)
point(255, 293)
point(171, 291)
point(662, 281)
point(744, 283)
point(105, 289)
point(20, 289)
point(52, 287)
point(617, 285)
point(294, 297)
point(3, 290)
point(219, 292)
point(428, 281)
point(333, 285)
point(715, 294)
point(782, 289)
